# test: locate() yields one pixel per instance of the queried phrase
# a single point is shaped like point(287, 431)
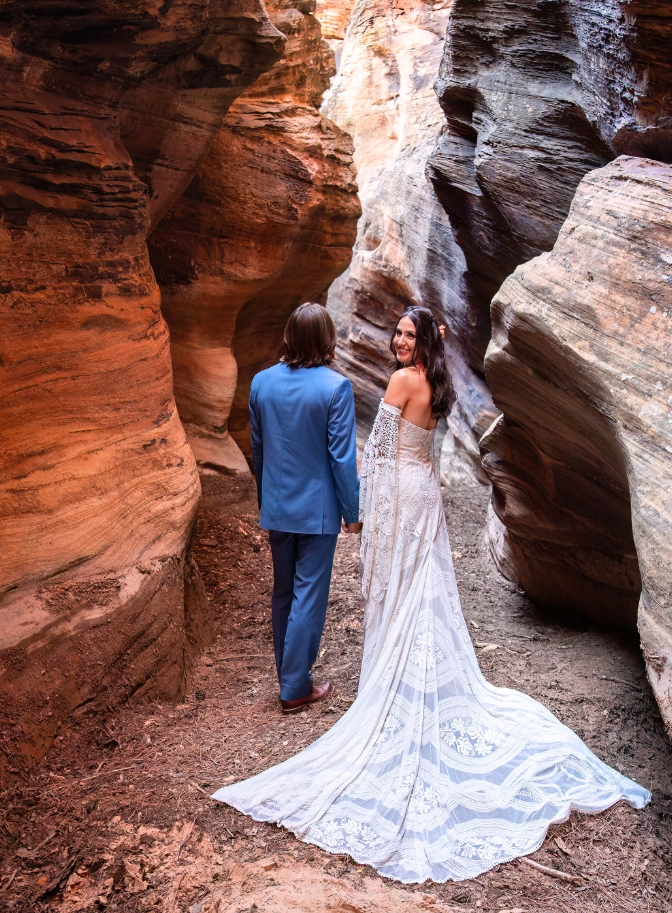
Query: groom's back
point(295, 411)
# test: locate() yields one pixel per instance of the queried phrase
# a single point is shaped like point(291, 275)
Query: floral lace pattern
point(432, 773)
point(425, 652)
point(377, 508)
point(487, 848)
point(343, 830)
point(390, 729)
point(424, 798)
point(470, 739)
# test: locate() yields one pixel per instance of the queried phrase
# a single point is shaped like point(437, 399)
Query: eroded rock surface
point(268, 222)
point(405, 252)
point(334, 16)
point(581, 461)
point(106, 112)
point(536, 95)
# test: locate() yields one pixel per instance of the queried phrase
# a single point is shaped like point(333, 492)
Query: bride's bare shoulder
point(403, 377)
point(401, 386)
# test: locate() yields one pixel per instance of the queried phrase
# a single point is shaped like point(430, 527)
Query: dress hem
point(489, 868)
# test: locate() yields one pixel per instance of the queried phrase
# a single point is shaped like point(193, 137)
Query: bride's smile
point(404, 340)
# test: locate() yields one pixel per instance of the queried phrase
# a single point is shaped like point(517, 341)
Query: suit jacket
point(302, 422)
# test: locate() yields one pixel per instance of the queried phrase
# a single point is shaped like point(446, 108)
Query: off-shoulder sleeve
point(378, 506)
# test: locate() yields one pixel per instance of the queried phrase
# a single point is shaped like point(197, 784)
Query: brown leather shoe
point(318, 693)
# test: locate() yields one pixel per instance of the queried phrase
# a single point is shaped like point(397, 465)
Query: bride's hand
point(442, 330)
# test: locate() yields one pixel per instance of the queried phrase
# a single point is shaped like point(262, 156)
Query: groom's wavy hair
point(431, 353)
point(310, 337)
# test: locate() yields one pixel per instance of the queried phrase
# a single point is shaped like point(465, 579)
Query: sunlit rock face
point(581, 461)
point(405, 252)
point(107, 111)
point(334, 18)
point(267, 223)
point(536, 95)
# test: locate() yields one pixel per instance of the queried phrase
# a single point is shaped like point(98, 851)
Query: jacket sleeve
point(257, 442)
point(342, 443)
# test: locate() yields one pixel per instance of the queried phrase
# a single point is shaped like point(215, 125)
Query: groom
point(302, 421)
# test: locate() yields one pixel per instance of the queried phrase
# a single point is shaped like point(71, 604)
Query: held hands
point(352, 527)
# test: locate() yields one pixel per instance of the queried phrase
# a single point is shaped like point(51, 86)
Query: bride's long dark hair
point(430, 352)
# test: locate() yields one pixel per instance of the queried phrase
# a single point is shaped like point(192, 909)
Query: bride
point(432, 773)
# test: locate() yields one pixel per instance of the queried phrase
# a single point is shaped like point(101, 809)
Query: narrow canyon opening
point(176, 180)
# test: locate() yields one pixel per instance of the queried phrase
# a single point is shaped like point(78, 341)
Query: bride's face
point(404, 340)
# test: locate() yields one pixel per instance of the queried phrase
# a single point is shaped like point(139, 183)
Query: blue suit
point(302, 422)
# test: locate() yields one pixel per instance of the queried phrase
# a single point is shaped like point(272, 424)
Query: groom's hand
point(352, 527)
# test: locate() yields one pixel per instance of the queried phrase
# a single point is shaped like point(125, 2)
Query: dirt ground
point(118, 817)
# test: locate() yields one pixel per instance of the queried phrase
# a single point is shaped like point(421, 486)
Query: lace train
point(432, 773)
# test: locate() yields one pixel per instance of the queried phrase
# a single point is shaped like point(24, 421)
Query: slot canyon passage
point(177, 178)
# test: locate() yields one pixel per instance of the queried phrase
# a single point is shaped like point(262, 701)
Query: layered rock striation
point(405, 252)
point(106, 113)
point(539, 96)
point(334, 19)
point(268, 222)
point(536, 95)
point(581, 461)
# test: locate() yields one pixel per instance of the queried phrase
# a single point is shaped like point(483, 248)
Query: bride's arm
point(398, 390)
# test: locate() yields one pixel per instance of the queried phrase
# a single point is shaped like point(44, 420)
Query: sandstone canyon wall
point(268, 222)
point(107, 110)
point(579, 364)
point(405, 253)
point(536, 95)
point(334, 18)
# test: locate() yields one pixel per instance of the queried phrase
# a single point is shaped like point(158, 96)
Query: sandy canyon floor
point(119, 819)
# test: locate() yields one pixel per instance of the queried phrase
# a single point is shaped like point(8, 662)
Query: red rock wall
point(579, 363)
point(107, 110)
point(267, 223)
point(334, 18)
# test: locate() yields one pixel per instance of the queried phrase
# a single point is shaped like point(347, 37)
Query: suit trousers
point(301, 576)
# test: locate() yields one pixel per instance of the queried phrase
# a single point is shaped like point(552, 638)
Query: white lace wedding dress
point(432, 773)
